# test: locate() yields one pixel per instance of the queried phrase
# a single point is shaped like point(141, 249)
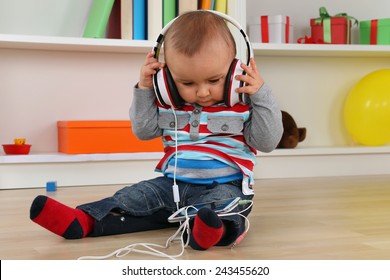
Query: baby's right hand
point(148, 69)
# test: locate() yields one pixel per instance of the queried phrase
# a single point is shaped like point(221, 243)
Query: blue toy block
point(51, 186)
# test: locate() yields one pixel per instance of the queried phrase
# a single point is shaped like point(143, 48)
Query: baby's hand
point(148, 69)
point(252, 80)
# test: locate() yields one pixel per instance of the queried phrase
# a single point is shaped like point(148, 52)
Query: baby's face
point(200, 79)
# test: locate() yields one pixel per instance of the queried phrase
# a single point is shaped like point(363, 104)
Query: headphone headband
point(160, 38)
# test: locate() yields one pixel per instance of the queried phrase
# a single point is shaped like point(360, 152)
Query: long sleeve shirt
point(207, 144)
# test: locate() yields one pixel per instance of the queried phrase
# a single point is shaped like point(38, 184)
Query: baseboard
point(33, 171)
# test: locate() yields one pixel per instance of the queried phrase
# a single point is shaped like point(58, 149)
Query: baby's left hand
point(252, 80)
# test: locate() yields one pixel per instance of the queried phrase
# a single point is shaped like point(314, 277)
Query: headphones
point(164, 85)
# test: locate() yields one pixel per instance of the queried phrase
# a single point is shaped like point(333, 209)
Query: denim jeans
point(148, 204)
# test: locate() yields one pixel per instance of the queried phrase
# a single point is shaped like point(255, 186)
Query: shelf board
point(321, 50)
point(66, 158)
point(31, 171)
point(327, 151)
point(11, 41)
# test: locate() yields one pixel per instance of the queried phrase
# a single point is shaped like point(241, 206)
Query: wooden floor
point(301, 219)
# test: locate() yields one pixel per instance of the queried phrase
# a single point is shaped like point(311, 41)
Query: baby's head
point(199, 49)
point(194, 31)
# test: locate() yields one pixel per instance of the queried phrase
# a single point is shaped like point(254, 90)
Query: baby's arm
point(148, 69)
point(252, 80)
point(143, 110)
point(264, 128)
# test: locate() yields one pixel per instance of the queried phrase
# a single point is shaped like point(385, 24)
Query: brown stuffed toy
point(291, 134)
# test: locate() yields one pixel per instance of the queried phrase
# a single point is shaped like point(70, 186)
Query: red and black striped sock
point(60, 219)
point(207, 231)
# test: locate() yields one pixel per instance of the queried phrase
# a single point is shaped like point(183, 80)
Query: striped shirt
point(216, 143)
point(211, 145)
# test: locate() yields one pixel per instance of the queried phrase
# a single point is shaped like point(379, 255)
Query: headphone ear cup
point(159, 87)
point(231, 97)
point(165, 89)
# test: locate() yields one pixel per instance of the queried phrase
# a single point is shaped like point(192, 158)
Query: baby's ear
point(302, 133)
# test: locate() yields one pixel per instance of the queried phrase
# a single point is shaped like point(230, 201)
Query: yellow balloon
point(367, 109)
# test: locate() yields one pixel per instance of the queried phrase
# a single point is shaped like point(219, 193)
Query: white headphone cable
point(182, 230)
point(175, 187)
point(119, 253)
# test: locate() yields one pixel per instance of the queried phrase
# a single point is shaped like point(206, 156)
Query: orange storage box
point(92, 137)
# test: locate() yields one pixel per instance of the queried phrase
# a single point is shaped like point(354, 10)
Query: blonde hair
point(192, 31)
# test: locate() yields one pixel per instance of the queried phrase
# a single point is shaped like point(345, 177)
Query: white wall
point(313, 91)
point(38, 88)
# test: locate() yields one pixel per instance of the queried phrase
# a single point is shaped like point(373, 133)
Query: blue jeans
point(148, 204)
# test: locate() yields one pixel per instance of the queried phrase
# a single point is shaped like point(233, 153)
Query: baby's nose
point(202, 92)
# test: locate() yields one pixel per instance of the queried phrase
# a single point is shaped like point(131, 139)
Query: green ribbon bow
point(325, 20)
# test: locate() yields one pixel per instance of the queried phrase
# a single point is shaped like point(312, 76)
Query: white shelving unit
point(66, 75)
point(46, 43)
point(73, 44)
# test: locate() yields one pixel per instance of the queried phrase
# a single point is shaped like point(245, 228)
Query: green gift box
point(375, 32)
